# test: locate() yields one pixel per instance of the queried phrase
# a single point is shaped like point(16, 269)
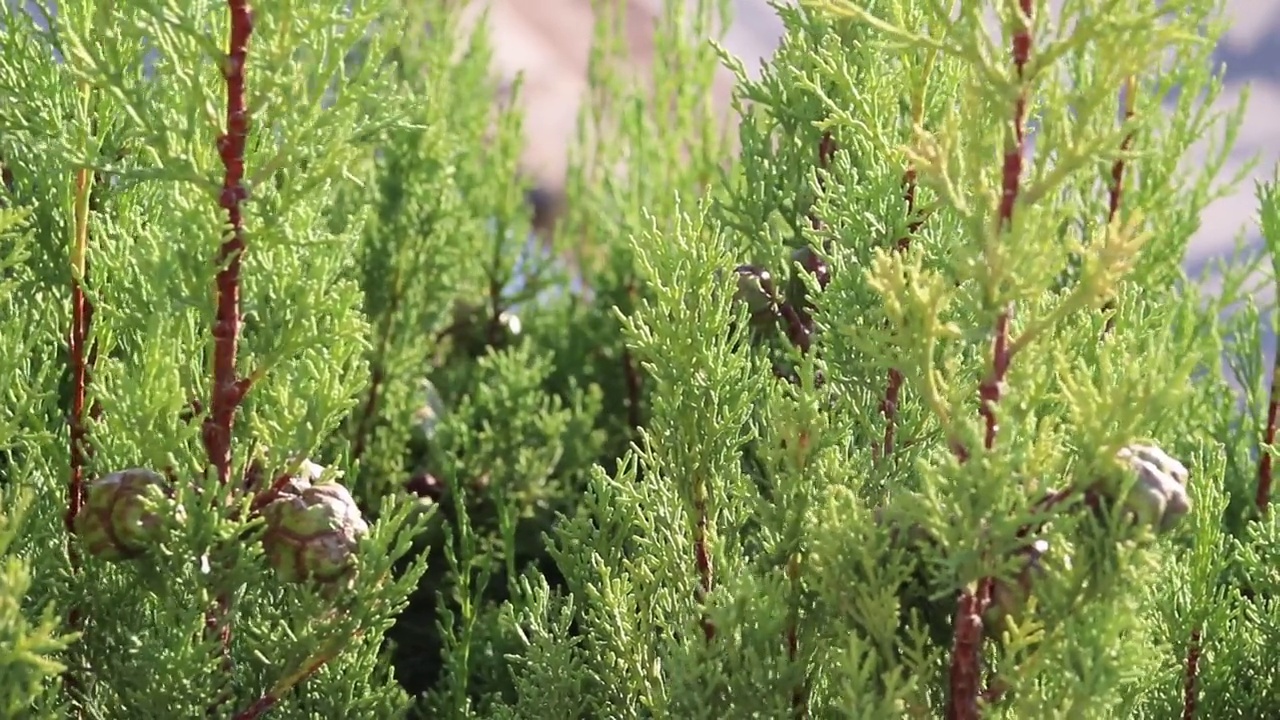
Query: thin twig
point(800, 693)
point(228, 388)
point(1191, 678)
point(702, 556)
point(77, 340)
point(1116, 191)
point(893, 388)
point(965, 665)
point(81, 358)
point(799, 332)
point(272, 697)
point(990, 390)
point(1262, 497)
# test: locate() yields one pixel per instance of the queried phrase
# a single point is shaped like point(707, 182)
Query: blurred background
point(548, 41)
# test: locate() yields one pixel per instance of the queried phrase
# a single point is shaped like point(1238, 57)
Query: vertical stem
point(78, 336)
point(228, 389)
point(893, 389)
point(1262, 498)
point(77, 339)
point(989, 392)
point(1010, 183)
point(889, 408)
point(80, 357)
point(800, 693)
point(702, 553)
point(1190, 689)
point(1191, 678)
point(826, 151)
point(1116, 192)
point(965, 666)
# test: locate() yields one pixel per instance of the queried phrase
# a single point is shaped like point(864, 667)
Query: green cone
point(124, 514)
point(313, 532)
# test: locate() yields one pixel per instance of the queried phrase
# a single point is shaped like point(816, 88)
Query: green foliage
point(850, 413)
point(29, 668)
point(120, 164)
point(788, 485)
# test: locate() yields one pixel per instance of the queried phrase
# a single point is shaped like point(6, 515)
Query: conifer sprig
point(650, 499)
point(965, 665)
point(1268, 196)
point(893, 385)
point(1115, 193)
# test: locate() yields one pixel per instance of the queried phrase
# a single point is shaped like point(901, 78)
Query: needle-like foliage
point(887, 398)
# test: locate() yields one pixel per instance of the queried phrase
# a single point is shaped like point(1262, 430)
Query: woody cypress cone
point(125, 514)
point(1159, 497)
point(313, 531)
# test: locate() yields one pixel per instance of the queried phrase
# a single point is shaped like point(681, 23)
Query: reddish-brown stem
point(1191, 678)
point(826, 151)
point(893, 389)
point(800, 693)
point(258, 708)
point(797, 331)
point(1013, 155)
point(81, 359)
point(702, 558)
point(228, 389)
point(1116, 192)
point(965, 670)
point(793, 650)
point(77, 341)
point(1010, 181)
point(271, 492)
point(965, 665)
point(1262, 498)
point(889, 408)
point(795, 327)
point(270, 699)
point(989, 391)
